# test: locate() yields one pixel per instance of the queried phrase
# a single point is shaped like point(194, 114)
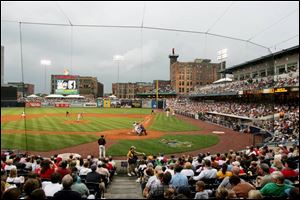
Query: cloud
point(94, 48)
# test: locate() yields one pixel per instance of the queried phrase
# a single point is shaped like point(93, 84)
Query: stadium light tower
point(222, 55)
point(118, 58)
point(45, 63)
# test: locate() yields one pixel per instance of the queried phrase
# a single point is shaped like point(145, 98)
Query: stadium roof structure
point(33, 96)
point(263, 58)
point(75, 96)
point(112, 97)
point(54, 96)
point(222, 80)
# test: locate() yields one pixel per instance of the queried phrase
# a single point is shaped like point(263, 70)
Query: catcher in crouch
point(139, 129)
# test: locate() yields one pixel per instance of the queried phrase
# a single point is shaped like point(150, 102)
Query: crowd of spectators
point(283, 80)
point(168, 89)
point(249, 110)
point(252, 173)
point(282, 121)
point(285, 127)
point(256, 172)
point(34, 177)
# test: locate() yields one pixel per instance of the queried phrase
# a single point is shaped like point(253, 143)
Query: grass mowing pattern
point(44, 142)
point(154, 146)
point(56, 123)
point(18, 111)
point(169, 124)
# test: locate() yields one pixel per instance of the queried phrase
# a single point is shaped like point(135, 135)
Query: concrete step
point(124, 187)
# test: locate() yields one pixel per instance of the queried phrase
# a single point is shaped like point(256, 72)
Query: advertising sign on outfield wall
point(106, 103)
point(76, 105)
point(99, 103)
point(33, 104)
point(147, 104)
point(94, 105)
point(136, 103)
point(62, 105)
point(153, 104)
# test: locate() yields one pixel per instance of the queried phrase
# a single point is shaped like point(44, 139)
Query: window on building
point(280, 69)
point(254, 74)
point(262, 73)
point(292, 67)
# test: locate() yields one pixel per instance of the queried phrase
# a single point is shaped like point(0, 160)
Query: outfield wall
point(106, 103)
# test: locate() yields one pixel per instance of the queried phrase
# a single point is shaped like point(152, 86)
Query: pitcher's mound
point(77, 122)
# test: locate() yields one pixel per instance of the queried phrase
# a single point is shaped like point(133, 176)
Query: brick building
point(185, 76)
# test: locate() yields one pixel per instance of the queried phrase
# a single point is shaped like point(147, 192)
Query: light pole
point(45, 63)
point(118, 58)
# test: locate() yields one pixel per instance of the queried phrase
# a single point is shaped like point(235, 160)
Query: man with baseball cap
point(132, 160)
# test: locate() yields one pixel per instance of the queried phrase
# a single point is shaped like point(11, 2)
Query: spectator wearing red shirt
point(57, 162)
point(289, 170)
point(47, 169)
point(62, 169)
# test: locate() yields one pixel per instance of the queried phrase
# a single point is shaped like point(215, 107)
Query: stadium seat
point(94, 189)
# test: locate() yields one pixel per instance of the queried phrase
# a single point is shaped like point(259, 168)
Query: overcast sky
point(271, 24)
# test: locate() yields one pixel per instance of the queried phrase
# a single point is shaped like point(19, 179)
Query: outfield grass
point(57, 123)
point(155, 146)
point(18, 111)
point(171, 124)
point(43, 142)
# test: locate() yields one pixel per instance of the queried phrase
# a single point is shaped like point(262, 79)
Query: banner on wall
point(280, 90)
point(147, 104)
point(92, 105)
point(33, 104)
point(62, 105)
point(99, 103)
point(136, 103)
point(153, 104)
point(106, 103)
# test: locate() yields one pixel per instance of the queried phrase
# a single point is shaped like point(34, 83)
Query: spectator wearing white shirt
point(170, 168)
point(85, 169)
point(13, 177)
point(54, 186)
point(187, 171)
point(207, 173)
point(9, 165)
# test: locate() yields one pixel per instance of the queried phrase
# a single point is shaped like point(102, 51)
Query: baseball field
point(47, 131)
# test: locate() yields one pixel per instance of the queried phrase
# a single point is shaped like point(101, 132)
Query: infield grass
point(155, 146)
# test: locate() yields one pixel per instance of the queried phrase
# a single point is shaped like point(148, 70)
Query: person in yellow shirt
point(223, 172)
point(132, 157)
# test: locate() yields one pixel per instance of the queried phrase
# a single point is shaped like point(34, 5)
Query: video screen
point(66, 84)
point(66, 87)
